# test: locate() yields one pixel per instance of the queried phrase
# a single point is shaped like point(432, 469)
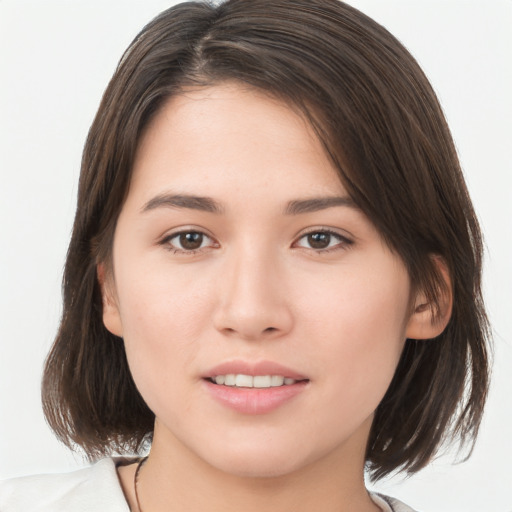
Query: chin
point(259, 461)
point(259, 469)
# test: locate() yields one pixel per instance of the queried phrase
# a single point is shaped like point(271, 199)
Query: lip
point(254, 401)
point(253, 368)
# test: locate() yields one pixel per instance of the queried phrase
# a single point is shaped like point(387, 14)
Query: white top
point(92, 489)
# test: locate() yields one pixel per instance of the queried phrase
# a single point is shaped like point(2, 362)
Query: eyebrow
point(205, 204)
point(316, 204)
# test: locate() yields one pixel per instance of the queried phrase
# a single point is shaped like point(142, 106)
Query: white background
point(55, 60)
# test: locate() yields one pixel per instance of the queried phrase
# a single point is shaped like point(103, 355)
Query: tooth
point(248, 381)
point(244, 381)
point(262, 381)
point(276, 380)
point(230, 380)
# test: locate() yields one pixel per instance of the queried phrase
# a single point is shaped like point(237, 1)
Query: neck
point(175, 479)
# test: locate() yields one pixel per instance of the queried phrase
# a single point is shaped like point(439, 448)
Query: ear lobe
point(428, 321)
point(111, 316)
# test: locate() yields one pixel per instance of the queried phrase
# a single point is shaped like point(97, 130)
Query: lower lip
point(254, 400)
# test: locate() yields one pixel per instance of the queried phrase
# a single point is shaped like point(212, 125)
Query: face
point(240, 263)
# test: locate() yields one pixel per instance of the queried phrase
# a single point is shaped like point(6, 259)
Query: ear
point(426, 321)
point(111, 316)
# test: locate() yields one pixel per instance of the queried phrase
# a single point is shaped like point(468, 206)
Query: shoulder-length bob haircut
point(380, 123)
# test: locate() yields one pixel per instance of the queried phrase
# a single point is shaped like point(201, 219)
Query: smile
point(249, 381)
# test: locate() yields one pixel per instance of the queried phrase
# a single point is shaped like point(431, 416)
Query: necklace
point(136, 479)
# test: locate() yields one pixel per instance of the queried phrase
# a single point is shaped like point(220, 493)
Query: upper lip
point(253, 368)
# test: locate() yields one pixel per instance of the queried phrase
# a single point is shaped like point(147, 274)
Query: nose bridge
point(252, 302)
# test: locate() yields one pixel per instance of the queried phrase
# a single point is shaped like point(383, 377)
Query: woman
point(274, 273)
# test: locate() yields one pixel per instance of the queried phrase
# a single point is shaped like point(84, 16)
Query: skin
point(255, 290)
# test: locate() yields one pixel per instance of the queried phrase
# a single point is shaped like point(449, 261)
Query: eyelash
point(189, 252)
point(343, 241)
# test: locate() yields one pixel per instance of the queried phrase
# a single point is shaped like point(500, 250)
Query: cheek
point(158, 303)
point(358, 327)
point(163, 316)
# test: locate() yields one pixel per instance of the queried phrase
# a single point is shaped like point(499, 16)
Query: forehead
point(206, 138)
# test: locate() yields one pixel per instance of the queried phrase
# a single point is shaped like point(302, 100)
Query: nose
point(253, 303)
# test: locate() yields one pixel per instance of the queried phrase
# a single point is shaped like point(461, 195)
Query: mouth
point(241, 380)
point(254, 387)
point(253, 374)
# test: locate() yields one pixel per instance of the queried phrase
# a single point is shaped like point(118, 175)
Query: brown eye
point(191, 240)
point(323, 241)
point(188, 242)
point(319, 240)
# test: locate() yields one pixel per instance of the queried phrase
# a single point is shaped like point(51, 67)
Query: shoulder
point(388, 504)
point(92, 489)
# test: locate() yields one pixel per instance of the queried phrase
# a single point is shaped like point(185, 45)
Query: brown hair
point(381, 124)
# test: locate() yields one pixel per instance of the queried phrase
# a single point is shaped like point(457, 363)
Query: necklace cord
point(135, 481)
